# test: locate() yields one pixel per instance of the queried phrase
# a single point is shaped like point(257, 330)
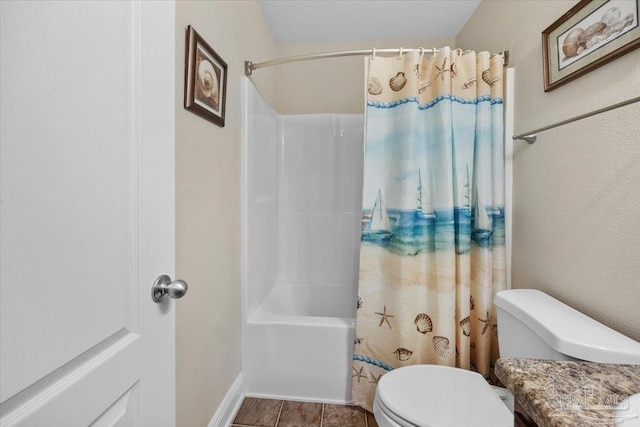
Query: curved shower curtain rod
point(250, 66)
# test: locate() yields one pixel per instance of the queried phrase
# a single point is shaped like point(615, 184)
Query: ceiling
point(319, 21)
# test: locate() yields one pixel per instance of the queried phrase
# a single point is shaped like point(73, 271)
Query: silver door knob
point(163, 287)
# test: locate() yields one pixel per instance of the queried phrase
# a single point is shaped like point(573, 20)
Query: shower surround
point(302, 208)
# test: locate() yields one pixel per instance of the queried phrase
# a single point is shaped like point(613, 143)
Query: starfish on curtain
point(385, 317)
point(487, 322)
point(374, 379)
point(443, 69)
point(358, 374)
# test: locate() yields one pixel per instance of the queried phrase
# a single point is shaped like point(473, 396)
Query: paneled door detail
point(87, 213)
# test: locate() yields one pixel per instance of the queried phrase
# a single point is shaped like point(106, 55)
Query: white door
point(87, 213)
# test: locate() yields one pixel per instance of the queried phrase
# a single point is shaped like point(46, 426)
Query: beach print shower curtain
point(432, 254)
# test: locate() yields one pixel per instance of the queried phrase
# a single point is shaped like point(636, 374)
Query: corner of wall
point(208, 180)
point(230, 405)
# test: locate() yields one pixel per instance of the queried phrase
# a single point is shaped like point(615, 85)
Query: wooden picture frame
point(589, 35)
point(205, 79)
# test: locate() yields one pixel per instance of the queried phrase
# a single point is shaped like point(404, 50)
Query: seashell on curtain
point(432, 248)
point(374, 87)
point(397, 82)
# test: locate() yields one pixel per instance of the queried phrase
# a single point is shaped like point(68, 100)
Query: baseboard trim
point(298, 398)
point(229, 406)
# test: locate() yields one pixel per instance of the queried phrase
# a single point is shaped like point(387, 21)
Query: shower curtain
point(432, 254)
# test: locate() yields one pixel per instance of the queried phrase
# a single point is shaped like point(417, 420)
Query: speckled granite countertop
point(568, 394)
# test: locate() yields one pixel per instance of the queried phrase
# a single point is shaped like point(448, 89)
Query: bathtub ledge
point(262, 316)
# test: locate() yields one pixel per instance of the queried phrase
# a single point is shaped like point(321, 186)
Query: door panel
point(84, 137)
point(121, 413)
point(80, 397)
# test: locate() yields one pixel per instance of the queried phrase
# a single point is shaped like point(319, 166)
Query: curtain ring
point(421, 53)
point(373, 55)
point(401, 51)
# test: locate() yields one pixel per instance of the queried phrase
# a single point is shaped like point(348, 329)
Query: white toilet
point(532, 325)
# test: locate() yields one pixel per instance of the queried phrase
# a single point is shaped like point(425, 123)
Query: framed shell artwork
point(591, 34)
point(205, 80)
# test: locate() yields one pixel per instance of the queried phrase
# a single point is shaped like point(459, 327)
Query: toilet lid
point(435, 396)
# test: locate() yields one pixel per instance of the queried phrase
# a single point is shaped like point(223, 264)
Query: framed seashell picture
point(205, 79)
point(591, 34)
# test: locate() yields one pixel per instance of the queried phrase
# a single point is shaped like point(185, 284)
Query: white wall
point(303, 181)
point(320, 198)
point(261, 176)
point(208, 209)
point(576, 195)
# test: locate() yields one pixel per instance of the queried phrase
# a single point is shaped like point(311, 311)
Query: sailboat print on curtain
point(482, 230)
point(466, 194)
point(378, 229)
point(424, 208)
point(432, 253)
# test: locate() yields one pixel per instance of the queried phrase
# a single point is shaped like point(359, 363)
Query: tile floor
point(256, 412)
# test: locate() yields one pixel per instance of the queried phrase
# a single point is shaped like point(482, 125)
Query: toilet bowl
point(436, 396)
point(532, 325)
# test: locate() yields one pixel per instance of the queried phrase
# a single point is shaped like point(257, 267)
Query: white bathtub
point(299, 343)
point(301, 220)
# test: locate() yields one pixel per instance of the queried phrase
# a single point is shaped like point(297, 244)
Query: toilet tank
point(534, 325)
